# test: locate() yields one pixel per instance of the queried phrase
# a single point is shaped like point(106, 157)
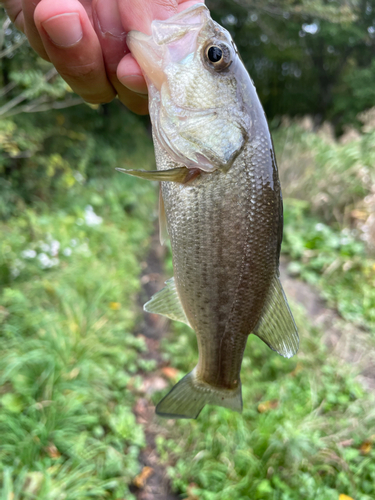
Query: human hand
point(86, 41)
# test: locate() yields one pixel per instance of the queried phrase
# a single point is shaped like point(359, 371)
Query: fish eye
point(215, 54)
point(218, 56)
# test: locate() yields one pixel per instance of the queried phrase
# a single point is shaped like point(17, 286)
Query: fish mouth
point(148, 55)
point(173, 40)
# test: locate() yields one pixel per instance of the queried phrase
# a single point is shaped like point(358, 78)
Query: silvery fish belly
point(220, 205)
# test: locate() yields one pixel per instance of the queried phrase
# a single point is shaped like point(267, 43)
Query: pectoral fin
point(276, 326)
point(179, 174)
point(167, 303)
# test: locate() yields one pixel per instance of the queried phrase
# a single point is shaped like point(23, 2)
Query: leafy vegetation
point(334, 260)
point(332, 176)
point(325, 184)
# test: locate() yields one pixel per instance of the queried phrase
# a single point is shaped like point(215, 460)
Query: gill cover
point(195, 103)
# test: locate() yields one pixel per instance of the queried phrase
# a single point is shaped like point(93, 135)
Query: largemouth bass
point(221, 195)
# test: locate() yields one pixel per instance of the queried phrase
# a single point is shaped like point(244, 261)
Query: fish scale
point(222, 200)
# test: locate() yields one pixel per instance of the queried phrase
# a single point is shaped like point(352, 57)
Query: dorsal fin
point(276, 326)
point(167, 303)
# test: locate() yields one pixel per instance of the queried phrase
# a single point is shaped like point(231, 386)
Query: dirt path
point(152, 483)
point(344, 340)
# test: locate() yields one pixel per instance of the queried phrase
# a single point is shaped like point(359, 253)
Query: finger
point(130, 75)
point(28, 9)
point(185, 4)
point(74, 49)
point(112, 38)
point(140, 18)
point(14, 10)
point(138, 103)
point(134, 88)
point(138, 15)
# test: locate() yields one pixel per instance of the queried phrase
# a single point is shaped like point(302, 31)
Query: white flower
point(46, 262)
point(319, 226)
point(54, 248)
point(45, 247)
point(91, 218)
point(310, 28)
point(79, 177)
point(67, 252)
point(29, 254)
point(15, 270)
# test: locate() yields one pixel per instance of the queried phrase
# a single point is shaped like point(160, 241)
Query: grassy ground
point(69, 363)
point(69, 359)
point(335, 260)
point(329, 196)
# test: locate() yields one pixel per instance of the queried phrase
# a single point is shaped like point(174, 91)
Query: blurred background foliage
point(308, 56)
point(74, 234)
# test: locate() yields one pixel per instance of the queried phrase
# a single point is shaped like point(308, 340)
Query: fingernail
point(135, 83)
point(109, 19)
point(64, 30)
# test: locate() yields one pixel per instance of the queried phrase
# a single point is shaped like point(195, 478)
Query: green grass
point(335, 260)
point(332, 177)
point(325, 183)
point(69, 360)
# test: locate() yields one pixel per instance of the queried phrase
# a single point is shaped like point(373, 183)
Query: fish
point(220, 205)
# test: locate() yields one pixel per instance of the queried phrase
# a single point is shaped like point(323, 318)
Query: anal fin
point(276, 326)
point(167, 303)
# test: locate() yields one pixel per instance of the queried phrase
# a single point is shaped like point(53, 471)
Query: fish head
point(197, 86)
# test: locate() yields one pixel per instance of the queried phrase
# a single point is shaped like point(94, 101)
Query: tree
point(306, 56)
point(42, 153)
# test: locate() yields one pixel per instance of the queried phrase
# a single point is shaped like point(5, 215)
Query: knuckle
point(18, 21)
point(166, 5)
point(85, 72)
point(89, 82)
point(15, 14)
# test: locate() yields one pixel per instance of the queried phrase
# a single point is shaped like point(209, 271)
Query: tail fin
point(188, 397)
